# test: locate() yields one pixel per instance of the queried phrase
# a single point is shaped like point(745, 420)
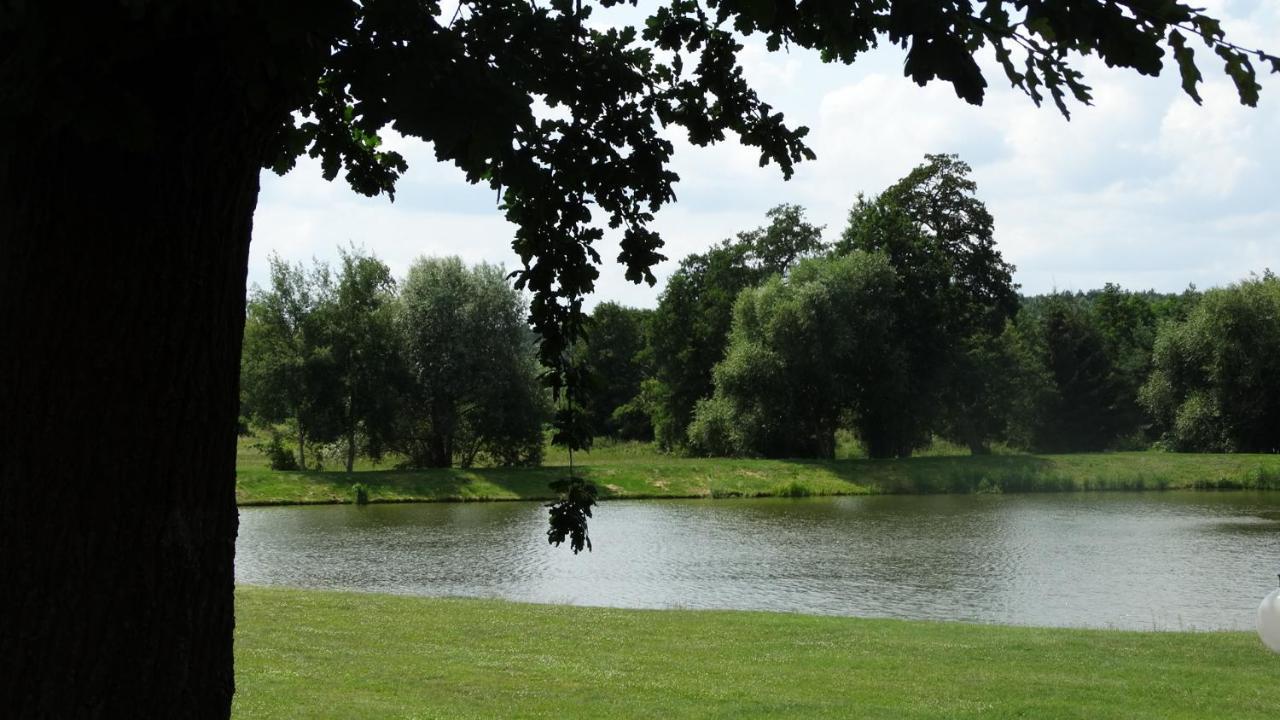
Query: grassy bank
point(306, 654)
point(633, 471)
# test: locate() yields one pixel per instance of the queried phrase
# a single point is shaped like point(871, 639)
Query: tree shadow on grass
point(449, 484)
point(791, 477)
point(949, 474)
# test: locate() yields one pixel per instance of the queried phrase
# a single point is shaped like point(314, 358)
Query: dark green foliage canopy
point(994, 387)
point(360, 317)
point(955, 294)
point(805, 353)
point(1096, 349)
point(695, 311)
point(940, 238)
point(615, 359)
point(1127, 323)
point(690, 327)
point(473, 384)
point(288, 371)
point(1080, 413)
point(1215, 382)
point(788, 238)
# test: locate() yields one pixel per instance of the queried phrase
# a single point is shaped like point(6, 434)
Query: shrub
point(1198, 425)
point(987, 487)
point(794, 489)
point(515, 451)
point(714, 430)
point(631, 421)
point(279, 457)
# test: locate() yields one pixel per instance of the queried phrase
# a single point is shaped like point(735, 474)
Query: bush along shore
point(658, 476)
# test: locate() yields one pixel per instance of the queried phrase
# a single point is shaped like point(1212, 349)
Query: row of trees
point(909, 327)
point(439, 369)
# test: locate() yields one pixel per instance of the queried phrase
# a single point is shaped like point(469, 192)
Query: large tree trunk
point(351, 428)
point(351, 449)
point(302, 447)
point(441, 451)
point(442, 429)
point(128, 178)
point(977, 445)
point(121, 292)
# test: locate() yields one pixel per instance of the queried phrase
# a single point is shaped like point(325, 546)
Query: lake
point(1150, 561)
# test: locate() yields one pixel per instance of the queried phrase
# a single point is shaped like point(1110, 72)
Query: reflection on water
point(1162, 561)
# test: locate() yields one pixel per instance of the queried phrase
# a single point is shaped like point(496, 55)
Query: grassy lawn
point(635, 470)
point(307, 654)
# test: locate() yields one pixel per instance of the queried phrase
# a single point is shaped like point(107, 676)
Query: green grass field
point(308, 654)
point(630, 470)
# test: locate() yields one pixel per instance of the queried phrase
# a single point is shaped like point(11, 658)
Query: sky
point(1143, 188)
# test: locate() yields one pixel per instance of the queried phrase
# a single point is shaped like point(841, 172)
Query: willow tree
point(134, 132)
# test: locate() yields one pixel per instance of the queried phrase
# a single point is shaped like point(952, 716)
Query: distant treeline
point(906, 328)
point(909, 327)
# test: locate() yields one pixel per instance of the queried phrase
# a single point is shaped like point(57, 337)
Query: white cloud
point(769, 72)
point(301, 216)
point(1214, 146)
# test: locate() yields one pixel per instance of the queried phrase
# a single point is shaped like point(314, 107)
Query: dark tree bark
point(442, 428)
point(302, 447)
point(978, 446)
point(351, 450)
point(349, 423)
point(441, 451)
point(124, 235)
point(121, 292)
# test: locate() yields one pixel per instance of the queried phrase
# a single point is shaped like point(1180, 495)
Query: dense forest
point(906, 329)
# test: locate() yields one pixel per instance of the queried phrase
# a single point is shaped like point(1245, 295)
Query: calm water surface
point(1163, 561)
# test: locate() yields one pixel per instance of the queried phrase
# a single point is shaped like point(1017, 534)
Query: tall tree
point(956, 293)
point(123, 298)
point(614, 355)
point(287, 370)
point(695, 310)
point(690, 327)
point(473, 385)
point(805, 352)
point(788, 238)
point(1127, 323)
point(359, 322)
point(320, 353)
point(1080, 410)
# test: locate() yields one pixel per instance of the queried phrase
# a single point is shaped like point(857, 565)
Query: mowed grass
point(632, 470)
point(309, 654)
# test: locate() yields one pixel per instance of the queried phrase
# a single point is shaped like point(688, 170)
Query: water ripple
point(1163, 561)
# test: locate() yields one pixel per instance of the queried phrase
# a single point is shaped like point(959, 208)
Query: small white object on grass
point(1269, 621)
